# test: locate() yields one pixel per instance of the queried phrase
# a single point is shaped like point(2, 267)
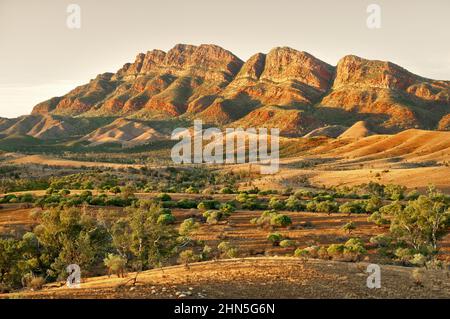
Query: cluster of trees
point(193, 180)
point(168, 180)
point(325, 204)
point(276, 239)
point(271, 218)
point(364, 191)
point(250, 201)
point(137, 240)
point(12, 198)
point(63, 198)
point(414, 227)
point(352, 250)
point(18, 184)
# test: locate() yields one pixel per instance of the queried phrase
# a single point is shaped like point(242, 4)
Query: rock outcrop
point(285, 87)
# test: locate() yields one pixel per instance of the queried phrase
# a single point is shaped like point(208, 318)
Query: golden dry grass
point(46, 160)
point(256, 278)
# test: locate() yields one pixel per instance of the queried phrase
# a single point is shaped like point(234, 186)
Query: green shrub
point(242, 197)
point(64, 192)
point(188, 256)
point(187, 226)
point(327, 207)
point(322, 253)
point(115, 190)
point(354, 245)
point(413, 195)
point(226, 190)
point(166, 219)
point(419, 260)
point(97, 201)
point(213, 216)
point(394, 192)
point(223, 246)
point(164, 197)
point(275, 238)
point(273, 218)
point(404, 254)
point(294, 204)
point(287, 243)
point(268, 192)
point(192, 190)
point(252, 203)
point(381, 240)
point(280, 220)
point(116, 264)
point(186, 203)
point(253, 190)
point(373, 204)
point(335, 249)
point(323, 198)
point(206, 253)
point(169, 204)
point(118, 201)
point(233, 252)
point(308, 252)
point(228, 250)
point(265, 217)
point(300, 193)
point(355, 207)
point(275, 203)
point(349, 227)
point(27, 198)
point(300, 252)
point(227, 208)
point(7, 198)
point(85, 194)
point(311, 206)
point(208, 204)
point(378, 219)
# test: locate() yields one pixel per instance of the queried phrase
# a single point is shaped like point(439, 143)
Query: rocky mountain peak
point(209, 82)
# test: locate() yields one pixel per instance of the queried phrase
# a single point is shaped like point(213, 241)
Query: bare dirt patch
point(258, 278)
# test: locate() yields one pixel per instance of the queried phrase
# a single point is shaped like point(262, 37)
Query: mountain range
point(284, 88)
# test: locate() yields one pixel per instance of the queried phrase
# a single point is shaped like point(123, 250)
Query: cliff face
point(211, 83)
point(397, 98)
point(283, 77)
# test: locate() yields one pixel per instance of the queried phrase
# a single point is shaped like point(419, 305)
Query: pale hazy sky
point(40, 57)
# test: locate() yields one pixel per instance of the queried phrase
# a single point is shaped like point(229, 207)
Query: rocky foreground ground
point(274, 277)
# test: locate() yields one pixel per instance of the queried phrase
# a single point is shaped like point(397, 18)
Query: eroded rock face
point(253, 68)
point(284, 77)
point(444, 123)
point(289, 122)
point(286, 64)
point(389, 91)
point(211, 83)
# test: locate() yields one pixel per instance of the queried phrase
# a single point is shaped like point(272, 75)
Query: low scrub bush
point(208, 204)
point(166, 219)
point(276, 204)
point(275, 238)
point(287, 243)
point(272, 218)
point(294, 204)
point(327, 207)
